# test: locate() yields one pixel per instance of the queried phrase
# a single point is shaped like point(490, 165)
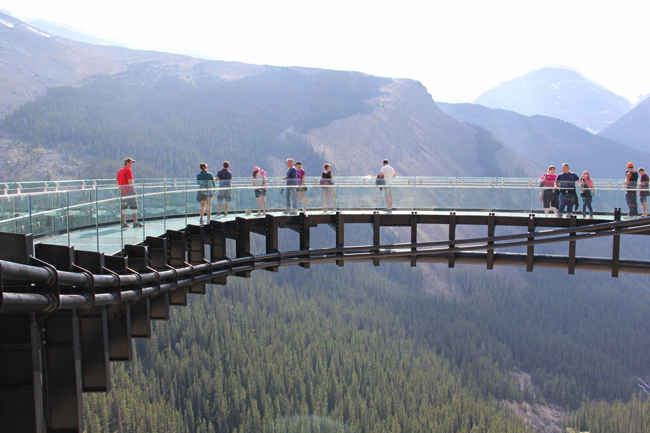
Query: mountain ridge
point(561, 93)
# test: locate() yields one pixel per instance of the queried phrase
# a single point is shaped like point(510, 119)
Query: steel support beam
point(572, 247)
point(119, 318)
point(616, 245)
point(452, 237)
point(176, 258)
point(304, 228)
point(243, 243)
point(414, 237)
point(376, 234)
point(218, 246)
point(530, 250)
point(272, 230)
point(196, 254)
point(157, 247)
point(490, 232)
point(340, 235)
point(138, 261)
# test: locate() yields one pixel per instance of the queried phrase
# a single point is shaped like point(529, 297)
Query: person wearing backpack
point(588, 194)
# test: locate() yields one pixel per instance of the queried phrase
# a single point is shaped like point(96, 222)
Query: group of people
point(560, 193)
point(559, 190)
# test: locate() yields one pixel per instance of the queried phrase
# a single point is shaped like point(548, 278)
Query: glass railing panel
point(152, 213)
point(108, 230)
point(50, 215)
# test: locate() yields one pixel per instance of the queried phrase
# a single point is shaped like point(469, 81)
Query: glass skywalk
point(87, 214)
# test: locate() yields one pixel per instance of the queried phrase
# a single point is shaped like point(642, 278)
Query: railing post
point(616, 244)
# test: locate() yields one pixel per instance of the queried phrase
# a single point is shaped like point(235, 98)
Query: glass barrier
point(88, 213)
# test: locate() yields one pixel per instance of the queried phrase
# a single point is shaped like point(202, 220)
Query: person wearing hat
point(127, 193)
point(631, 179)
point(259, 180)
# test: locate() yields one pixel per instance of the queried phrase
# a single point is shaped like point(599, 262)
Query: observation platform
point(75, 287)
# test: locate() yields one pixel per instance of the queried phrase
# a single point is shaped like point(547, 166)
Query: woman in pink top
point(550, 196)
point(588, 193)
point(300, 191)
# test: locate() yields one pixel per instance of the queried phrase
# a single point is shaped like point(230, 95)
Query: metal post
point(305, 240)
point(272, 227)
point(452, 237)
point(490, 233)
point(376, 234)
point(572, 246)
point(530, 253)
point(243, 242)
point(340, 235)
point(616, 246)
point(414, 238)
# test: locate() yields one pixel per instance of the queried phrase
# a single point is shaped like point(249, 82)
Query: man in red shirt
point(127, 192)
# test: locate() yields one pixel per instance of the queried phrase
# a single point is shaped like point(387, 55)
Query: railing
point(63, 207)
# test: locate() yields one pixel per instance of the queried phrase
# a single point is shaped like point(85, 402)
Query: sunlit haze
point(457, 49)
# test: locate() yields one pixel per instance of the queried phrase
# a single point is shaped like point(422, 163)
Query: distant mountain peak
point(559, 92)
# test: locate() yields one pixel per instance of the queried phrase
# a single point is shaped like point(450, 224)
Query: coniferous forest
point(364, 349)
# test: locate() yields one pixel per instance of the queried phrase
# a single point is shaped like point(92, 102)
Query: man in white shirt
point(387, 173)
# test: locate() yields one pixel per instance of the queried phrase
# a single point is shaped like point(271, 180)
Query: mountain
point(73, 35)
point(32, 61)
point(140, 102)
point(559, 93)
point(549, 141)
point(632, 129)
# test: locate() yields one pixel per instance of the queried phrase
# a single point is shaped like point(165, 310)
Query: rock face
point(632, 129)
point(408, 129)
point(559, 93)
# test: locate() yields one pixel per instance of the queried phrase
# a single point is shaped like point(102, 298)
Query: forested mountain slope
point(547, 141)
point(170, 125)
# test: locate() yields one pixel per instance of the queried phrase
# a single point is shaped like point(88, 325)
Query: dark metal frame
point(65, 314)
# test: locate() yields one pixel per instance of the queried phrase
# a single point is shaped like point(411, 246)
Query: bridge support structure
point(67, 313)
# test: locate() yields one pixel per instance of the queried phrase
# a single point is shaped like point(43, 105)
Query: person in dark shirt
point(631, 178)
point(292, 181)
point(225, 194)
point(566, 184)
point(206, 183)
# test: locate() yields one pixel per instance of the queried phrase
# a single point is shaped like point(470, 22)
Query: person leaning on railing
point(127, 192)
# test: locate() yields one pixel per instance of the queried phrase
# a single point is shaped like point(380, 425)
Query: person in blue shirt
point(566, 184)
point(292, 181)
point(225, 194)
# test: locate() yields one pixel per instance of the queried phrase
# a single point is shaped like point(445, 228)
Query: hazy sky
point(457, 49)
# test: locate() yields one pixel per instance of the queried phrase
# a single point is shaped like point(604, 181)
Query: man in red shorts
point(127, 191)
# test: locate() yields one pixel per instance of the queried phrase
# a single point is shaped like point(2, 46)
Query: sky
point(458, 49)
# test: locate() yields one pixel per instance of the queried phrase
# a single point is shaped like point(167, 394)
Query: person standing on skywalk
point(566, 184)
point(127, 193)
